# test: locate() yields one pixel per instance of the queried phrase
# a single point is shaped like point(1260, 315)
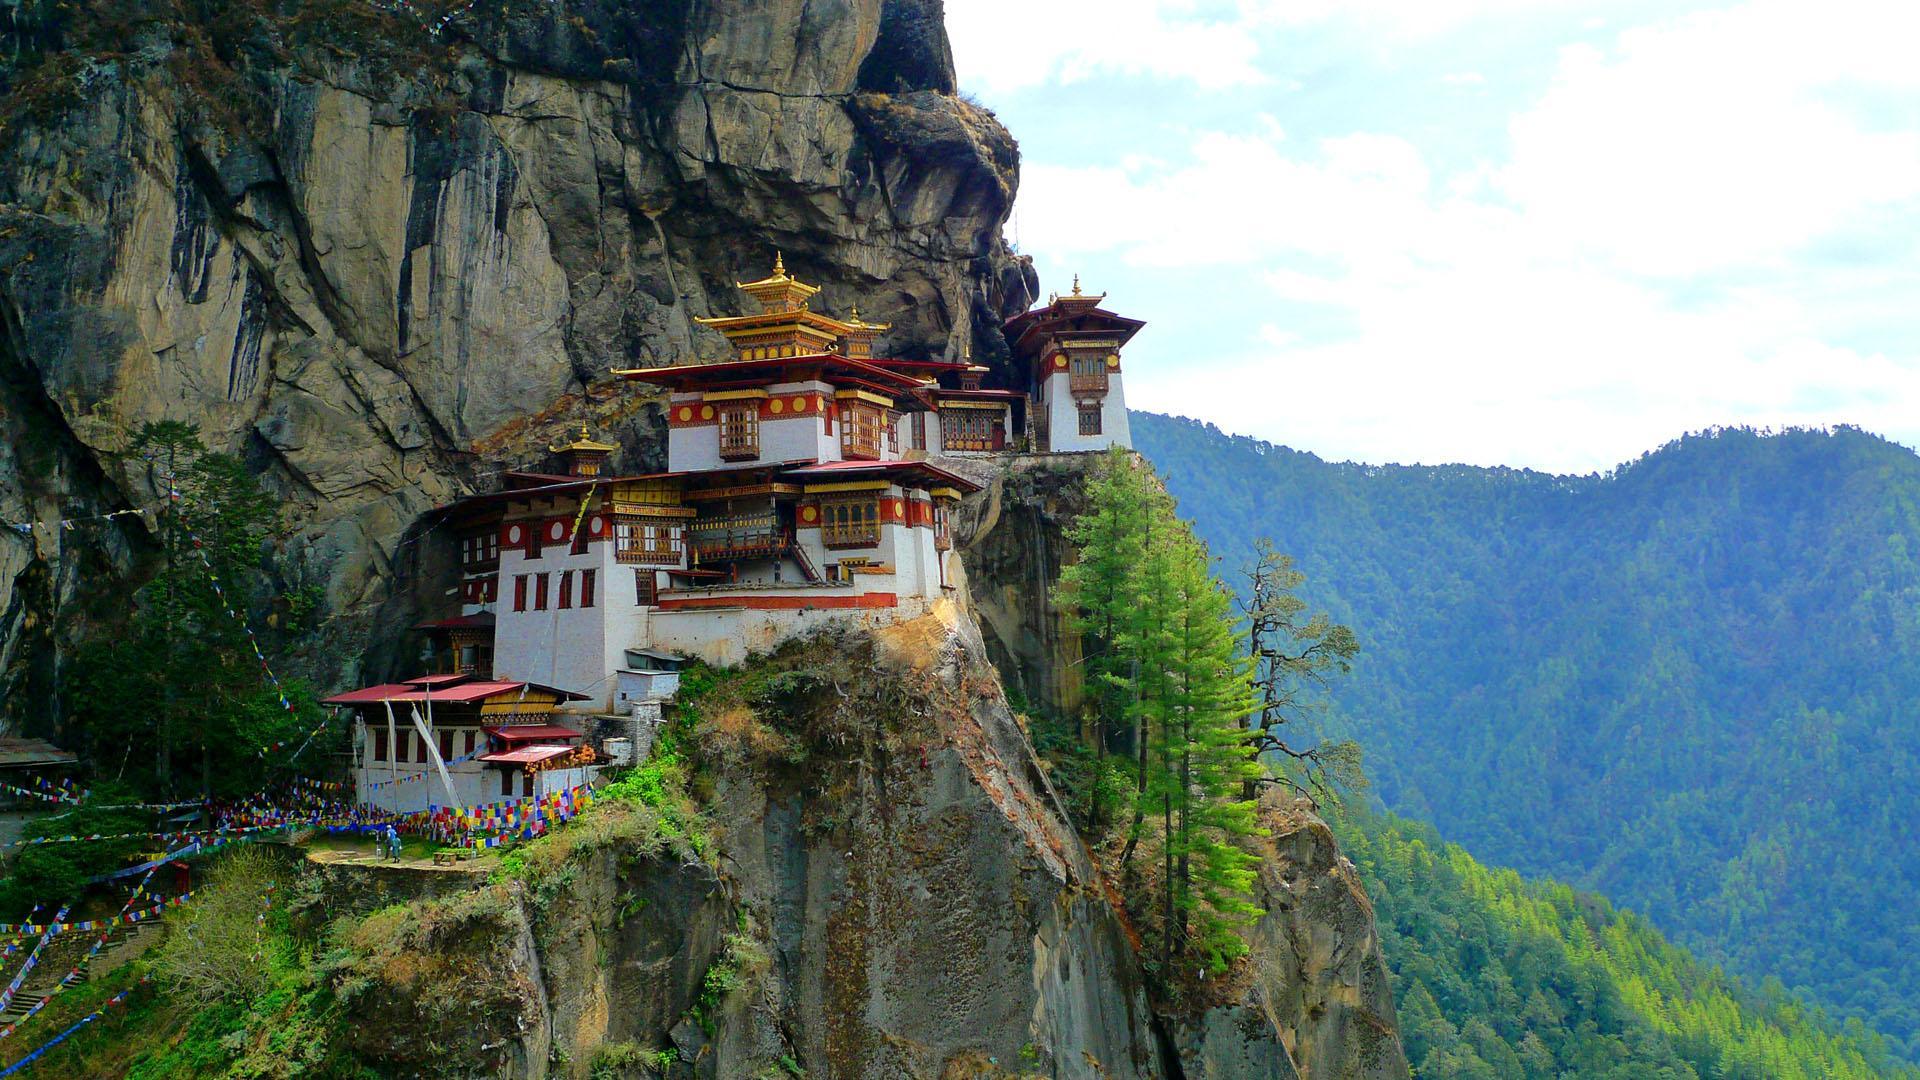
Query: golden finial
point(1076, 284)
point(779, 264)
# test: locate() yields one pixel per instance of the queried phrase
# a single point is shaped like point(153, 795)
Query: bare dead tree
point(1295, 653)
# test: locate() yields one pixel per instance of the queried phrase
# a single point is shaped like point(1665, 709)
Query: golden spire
point(777, 291)
point(1076, 297)
point(854, 320)
point(583, 441)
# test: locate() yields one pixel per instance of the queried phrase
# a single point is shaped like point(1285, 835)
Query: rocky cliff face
point(891, 891)
point(384, 266)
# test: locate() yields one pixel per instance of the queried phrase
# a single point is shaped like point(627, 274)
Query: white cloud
point(1003, 45)
point(1706, 143)
point(1636, 267)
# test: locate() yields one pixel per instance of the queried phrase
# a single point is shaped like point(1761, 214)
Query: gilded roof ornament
point(857, 323)
point(1076, 297)
point(778, 291)
point(583, 441)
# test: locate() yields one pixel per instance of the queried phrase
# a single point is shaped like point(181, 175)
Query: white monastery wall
point(1063, 416)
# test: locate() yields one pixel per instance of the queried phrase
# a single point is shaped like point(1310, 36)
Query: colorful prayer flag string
point(73, 974)
point(77, 1025)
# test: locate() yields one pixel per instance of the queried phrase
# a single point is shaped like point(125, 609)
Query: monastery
point(807, 482)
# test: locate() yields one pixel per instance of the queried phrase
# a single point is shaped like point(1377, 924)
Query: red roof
point(416, 690)
point(1024, 329)
point(478, 621)
point(524, 732)
point(984, 392)
point(526, 755)
point(925, 470)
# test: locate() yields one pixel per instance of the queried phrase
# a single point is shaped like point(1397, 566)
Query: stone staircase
point(22, 1003)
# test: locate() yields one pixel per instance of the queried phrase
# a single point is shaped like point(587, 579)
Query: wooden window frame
point(540, 592)
point(1087, 374)
point(586, 587)
point(566, 590)
point(850, 522)
point(738, 428)
point(649, 541)
point(1094, 412)
point(861, 431)
point(519, 592)
point(480, 551)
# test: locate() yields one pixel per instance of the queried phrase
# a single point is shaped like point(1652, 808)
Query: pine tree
point(1168, 673)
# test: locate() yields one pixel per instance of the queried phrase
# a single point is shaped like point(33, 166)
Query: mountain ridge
point(1678, 683)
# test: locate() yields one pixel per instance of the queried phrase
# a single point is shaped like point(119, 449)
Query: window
point(540, 592)
point(850, 523)
point(420, 750)
point(446, 746)
point(893, 432)
point(480, 551)
point(536, 534)
point(859, 431)
point(643, 588)
point(506, 781)
point(586, 588)
point(379, 746)
point(519, 592)
point(581, 534)
point(469, 748)
point(526, 784)
point(652, 543)
point(1089, 419)
point(966, 429)
point(740, 431)
point(493, 590)
point(942, 529)
point(566, 588)
point(1088, 373)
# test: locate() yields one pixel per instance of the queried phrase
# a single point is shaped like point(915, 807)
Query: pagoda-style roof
point(777, 291)
point(582, 444)
point(1075, 313)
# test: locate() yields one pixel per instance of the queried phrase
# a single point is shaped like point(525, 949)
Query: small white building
point(452, 740)
point(1072, 347)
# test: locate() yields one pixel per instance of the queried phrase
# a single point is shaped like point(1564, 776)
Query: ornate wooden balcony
point(737, 538)
point(852, 534)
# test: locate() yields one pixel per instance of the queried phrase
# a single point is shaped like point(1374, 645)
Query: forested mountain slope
point(1692, 684)
point(1498, 976)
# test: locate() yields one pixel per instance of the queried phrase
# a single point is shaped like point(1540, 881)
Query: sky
point(1500, 232)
